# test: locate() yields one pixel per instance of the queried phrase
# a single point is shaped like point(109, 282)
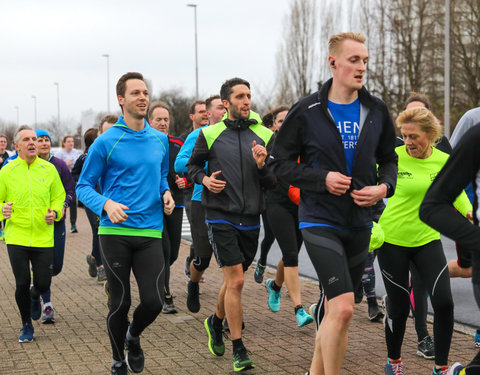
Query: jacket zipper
point(31, 206)
point(241, 169)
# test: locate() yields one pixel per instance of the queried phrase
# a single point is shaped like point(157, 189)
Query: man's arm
point(198, 158)
point(94, 167)
point(286, 150)
point(437, 209)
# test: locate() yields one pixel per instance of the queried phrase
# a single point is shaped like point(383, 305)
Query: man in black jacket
point(235, 149)
point(340, 133)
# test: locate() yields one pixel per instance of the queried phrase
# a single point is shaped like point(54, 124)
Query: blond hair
point(424, 119)
point(336, 41)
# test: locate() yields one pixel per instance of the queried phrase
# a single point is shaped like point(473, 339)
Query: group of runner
point(315, 171)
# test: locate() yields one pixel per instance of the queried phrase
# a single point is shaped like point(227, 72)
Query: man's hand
point(259, 154)
point(115, 211)
point(212, 184)
point(1, 161)
point(7, 210)
point(180, 182)
point(337, 183)
point(369, 195)
point(69, 163)
point(169, 203)
point(469, 216)
point(50, 217)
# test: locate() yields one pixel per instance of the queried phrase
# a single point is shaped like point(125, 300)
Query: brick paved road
point(176, 344)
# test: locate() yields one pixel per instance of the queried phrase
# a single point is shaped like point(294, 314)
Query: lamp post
point(194, 6)
point(446, 114)
point(18, 115)
point(108, 80)
point(58, 103)
point(35, 109)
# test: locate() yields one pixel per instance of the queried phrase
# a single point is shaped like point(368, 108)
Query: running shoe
point(134, 355)
point(48, 316)
point(312, 310)
point(477, 338)
point(101, 275)
point(443, 371)
point(241, 360)
point(215, 338)
point(358, 295)
point(303, 318)
point(27, 333)
point(259, 271)
point(73, 229)
point(35, 306)
point(122, 370)
point(457, 369)
point(168, 306)
point(374, 312)
point(107, 292)
point(193, 297)
point(92, 266)
point(426, 348)
point(395, 368)
point(273, 296)
point(2, 235)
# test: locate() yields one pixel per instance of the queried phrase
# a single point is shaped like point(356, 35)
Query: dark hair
point(279, 109)
point(111, 119)
point(208, 102)
point(156, 105)
point(89, 136)
point(194, 104)
point(122, 82)
point(418, 97)
point(65, 139)
point(227, 87)
point(267, 120)
point(4, 136)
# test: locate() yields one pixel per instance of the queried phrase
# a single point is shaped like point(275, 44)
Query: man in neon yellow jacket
point(33, 197)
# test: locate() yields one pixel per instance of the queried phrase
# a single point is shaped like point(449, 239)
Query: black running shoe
point(426, 348)
point(122, 370)
point(134, 355)
point(92, 266)
point(193, 298)
point(168, 306)
point(241, 360)
point(374, 312)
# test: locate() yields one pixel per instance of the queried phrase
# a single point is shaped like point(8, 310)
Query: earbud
point(332, 63)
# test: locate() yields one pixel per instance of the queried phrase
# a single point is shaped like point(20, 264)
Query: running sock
point(275, 287)
point(216, 321)
point(237, 344)
point(298, 307)
point(130, 337)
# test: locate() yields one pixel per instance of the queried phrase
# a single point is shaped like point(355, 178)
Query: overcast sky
point(42, 42)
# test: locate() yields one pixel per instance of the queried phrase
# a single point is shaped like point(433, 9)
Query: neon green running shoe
point(215, 338)
point(241, 360)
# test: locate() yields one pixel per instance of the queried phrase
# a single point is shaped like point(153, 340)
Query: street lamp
point(18, 115)
point(108, 80)
point(446, 114)
point(58, 103)
point(194, 6)
point(35, 108)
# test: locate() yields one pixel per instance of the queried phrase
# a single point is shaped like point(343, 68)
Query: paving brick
point(176, 344)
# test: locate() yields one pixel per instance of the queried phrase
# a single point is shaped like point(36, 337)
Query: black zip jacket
point(227, 147)
point(309, 131)
point(174, 146)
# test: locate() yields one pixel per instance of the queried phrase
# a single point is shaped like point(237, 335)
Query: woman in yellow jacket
point(33, 194)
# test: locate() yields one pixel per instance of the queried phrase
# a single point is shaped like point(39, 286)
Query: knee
point(342, 311)
point(154, 305)
point(444, 305)
point(236, 283)
point(201, 263)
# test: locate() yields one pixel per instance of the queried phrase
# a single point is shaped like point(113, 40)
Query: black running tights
point(41, 259)
point(143, 256)
point(432, 268)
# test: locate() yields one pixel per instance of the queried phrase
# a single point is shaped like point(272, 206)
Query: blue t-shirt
point(347, 119)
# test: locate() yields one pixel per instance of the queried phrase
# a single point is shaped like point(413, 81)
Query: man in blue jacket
point(130, 163)
point(340, 133)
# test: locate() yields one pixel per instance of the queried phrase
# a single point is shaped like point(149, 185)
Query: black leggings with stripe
point(432, 268)
point(143, 256)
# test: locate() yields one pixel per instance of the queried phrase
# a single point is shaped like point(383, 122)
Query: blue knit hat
point(42, 132)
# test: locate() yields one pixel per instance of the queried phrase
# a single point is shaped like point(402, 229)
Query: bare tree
point(297, 55)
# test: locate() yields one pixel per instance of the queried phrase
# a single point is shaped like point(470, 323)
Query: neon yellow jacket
point(32, 189)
